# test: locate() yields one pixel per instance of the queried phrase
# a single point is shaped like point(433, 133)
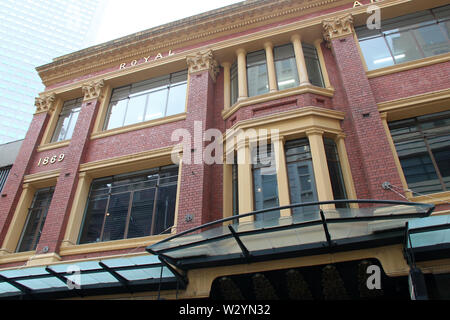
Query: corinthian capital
point(201, 61)
point(45, 103)
point(93, 90)
point(337, 27)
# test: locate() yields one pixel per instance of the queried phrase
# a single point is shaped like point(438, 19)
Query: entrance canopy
point(87, 278)
point(307, 229)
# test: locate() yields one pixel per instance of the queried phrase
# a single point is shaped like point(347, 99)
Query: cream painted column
point(245, 180)
point(242, 73)
point(323, 68)
point(282, 176)
point(321, 173)
point(227, 192)
point(226, 85)
point(346, 170)
point(300, 59)
point(268, 46)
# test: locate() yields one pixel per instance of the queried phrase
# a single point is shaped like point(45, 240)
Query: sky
point(122, 18)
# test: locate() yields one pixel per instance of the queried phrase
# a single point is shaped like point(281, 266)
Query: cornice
point(227, 20)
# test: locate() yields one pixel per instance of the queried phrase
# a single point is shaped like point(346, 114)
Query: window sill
point(53, 145)
point(435, 198)
point(68, 248)
point(138, 126)
point(408, 65)
point(328, 92)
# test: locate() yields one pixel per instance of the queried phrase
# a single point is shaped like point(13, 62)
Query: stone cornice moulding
point(172, 35)
point(93, 90)
point(201, 61)
point(337, 27)
point(45, 103)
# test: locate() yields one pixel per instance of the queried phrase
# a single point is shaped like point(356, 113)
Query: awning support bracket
point(241, 245)
point(325, 229)
point(21, 287)
point(116, 275)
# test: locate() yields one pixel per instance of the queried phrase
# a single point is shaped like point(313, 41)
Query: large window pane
point(432, 40)
point(403, 47)
point(376, 53)
point(35, 220)
point(286, 67)
point(258, 82)
point(234, 83)
point(131, 205)
point(334, 168)
point(147, 100)
point(313, 65)
point(302, 187)
point(67, 120)
point(265, 182)
point(423, 147)
point(177, 99)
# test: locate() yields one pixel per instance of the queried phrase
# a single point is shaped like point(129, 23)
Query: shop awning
point(313, 228)
point(87, 278)
point(428, 238)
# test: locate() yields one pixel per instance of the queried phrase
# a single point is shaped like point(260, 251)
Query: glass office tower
point(32, 33)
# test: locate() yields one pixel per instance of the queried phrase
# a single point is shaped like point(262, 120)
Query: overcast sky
point(123, 17)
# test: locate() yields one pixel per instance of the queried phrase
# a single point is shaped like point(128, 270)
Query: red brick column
point(366, 130)
point(13, 187)
point(59, 211)
point(195, 182)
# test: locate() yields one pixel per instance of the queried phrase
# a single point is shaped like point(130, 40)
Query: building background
point(32, 33)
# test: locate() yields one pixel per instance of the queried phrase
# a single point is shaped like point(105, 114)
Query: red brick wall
point(13, 188)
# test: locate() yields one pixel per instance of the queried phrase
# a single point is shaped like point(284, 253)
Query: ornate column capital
point(337, 27)
point(203, 60)
point(45, 103)
point(93, 89)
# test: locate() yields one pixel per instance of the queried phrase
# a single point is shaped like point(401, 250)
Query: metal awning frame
point(306, 249)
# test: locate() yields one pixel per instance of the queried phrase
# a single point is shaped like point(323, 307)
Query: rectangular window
point(302, 186)
point(257, 78)
point(313, 65)
point(334, 169)
point(147, 100)
point(265, 185)
point(406, 38)
point(131, 205)
point(286, 67)
point(35, 220)
point(67, 120)
point(234, 83)
point(423, 147)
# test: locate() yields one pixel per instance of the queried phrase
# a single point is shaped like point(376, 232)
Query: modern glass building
point(32, 33)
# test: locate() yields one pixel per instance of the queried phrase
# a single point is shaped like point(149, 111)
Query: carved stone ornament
point(337, 27)
point(45, 103)
point(93, 90)
point(201, 61)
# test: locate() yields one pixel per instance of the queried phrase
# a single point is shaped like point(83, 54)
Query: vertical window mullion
point(152, 227)
point(127, 222)
point(105, 215)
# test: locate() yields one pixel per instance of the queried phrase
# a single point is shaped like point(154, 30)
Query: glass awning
point(428, 238)
point(312, 228)
point(87, 278)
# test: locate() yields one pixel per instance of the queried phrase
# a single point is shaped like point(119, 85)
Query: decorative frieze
point(203, 60)
point(93, 90)
point(337, 27)
point(45, 103)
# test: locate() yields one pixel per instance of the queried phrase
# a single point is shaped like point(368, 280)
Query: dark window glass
point(234, 83)
point(131, 205)
point(258, 81)
point(302, 186)
point(286, 67)
point(313, 65)
point(67, 120)
point(35, 220)
point(423, 147)
point(334, 168)
point(406, 38)
point(265, 186)
point(147, 100)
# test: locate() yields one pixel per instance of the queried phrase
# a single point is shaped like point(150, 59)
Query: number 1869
point(45, 161)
